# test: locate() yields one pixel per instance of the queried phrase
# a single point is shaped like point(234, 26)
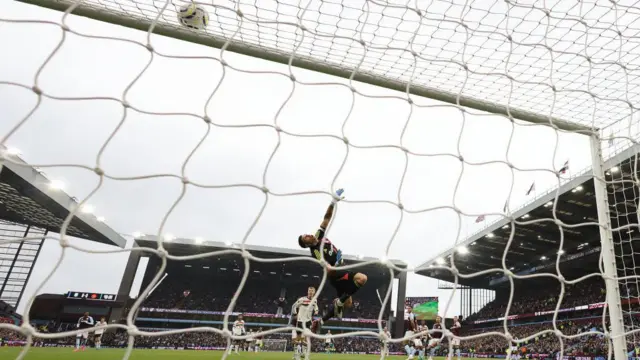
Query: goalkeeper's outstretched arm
point(328, 215)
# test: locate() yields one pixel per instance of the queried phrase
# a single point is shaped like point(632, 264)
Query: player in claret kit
point(455, 341)
point(418, 345)
point(425, 340)
point(346, 283)
point(435, 337)
point(84, 323)
point(410, 328)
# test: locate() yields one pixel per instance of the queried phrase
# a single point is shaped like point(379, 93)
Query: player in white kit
point(237, 330)
point(384, 345)
point(259, 342)
point(97, 335)
point(250, 341)
point(304, 309)
point(329, 346)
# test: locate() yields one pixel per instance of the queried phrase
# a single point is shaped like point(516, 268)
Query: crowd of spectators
point(194, 340)
point(529, 299)
point(185, 294)
point(542, 343)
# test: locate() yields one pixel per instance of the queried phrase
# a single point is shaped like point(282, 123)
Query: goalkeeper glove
point(338, 196)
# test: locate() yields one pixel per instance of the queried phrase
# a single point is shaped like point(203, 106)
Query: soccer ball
point(193, 16)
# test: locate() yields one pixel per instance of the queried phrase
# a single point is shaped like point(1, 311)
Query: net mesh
point(574, 60)
point(623, 193)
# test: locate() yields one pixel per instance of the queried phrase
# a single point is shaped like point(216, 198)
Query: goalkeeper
point(346, 283)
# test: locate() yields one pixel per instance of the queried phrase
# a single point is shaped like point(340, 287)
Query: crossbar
point(307, 63)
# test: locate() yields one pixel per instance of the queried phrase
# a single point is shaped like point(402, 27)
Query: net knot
point(185, 180)
point(27, 329)
point(36, 90)
point(133, 331)
point(98, 171)
point(508, 336)
point(63, 241)
point(508, 273)
point(149, 47)
point(162, 252)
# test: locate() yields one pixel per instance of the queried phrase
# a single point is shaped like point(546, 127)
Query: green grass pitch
point(116, 354)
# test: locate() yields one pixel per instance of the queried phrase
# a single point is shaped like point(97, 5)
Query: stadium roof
point(181, 246)
point(535, 246)
point(26, 197)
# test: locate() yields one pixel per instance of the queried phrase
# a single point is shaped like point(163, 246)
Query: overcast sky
point(73, 131)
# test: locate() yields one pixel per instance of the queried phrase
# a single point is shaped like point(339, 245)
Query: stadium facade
point(30, 209)
point(197, 292)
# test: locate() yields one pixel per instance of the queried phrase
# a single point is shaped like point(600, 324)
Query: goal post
point(614, 306)
point(87, 9)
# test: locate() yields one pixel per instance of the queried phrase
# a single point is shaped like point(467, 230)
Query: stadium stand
point(200, 291)
point(534, 250)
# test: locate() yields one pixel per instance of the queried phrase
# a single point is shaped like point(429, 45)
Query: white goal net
point(275, 345)
point(451, 109)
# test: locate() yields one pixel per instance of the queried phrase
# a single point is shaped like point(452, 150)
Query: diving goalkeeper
point(346, 283)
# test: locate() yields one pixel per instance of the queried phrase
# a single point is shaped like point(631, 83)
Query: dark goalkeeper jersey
point(437, 334)
point(330, 253)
